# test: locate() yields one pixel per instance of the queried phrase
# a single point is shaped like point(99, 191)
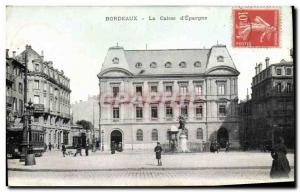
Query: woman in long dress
point(280, 164)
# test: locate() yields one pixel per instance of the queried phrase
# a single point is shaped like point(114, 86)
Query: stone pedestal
point(183, 143)
point(30, 159)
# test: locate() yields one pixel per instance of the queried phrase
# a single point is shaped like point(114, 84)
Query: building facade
point(143, 92)
point(14, 99)
point(273, 100)
point(49, 90)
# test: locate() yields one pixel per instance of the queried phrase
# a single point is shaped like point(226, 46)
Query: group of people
point(215, 146)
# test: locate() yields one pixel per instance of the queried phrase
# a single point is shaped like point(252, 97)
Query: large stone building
point(14, 99)
point(142, 93)
point(272, 104)
point(49, 90)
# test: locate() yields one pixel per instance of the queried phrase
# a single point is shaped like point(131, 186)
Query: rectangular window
point(221, 89)
point(45, 87)
point(222, 110)
point(278, 87)
point(154, 114)
point(183, 90)
point(20, 88)
point(116, 112)
point(36, 99)
point(20, 107)
point(199, 111)
point(37, 67)
point(289, 87)
point(169, 90)
point(115, 91)
point(198, 89)
point(139, 112)
point(288, 71)
point(36, 84)
point(169, 112)
point(184, 110)
point(139, 90)
point(153, 90)
point(278, 71)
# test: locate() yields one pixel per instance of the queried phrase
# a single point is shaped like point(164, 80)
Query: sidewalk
point(139, 160)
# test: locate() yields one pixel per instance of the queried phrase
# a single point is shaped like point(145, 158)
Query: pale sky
point(76, 39)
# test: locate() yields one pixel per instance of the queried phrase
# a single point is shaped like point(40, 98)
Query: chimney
point(27, 47)
point(267, 62)
point(256, 68)
point(7, 51)
point(42, 55)
point(291, 53)
point(259, 67)
point(14, 54)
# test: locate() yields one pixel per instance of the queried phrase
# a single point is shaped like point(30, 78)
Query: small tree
point(85, 124)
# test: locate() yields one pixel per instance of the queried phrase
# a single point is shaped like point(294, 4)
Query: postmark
point(256, 27)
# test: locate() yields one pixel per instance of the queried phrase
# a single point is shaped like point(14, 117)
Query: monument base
point(30, 159)
point(183, 143)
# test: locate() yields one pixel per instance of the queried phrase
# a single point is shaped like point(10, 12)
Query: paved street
point(146, 159)
point(142, 177)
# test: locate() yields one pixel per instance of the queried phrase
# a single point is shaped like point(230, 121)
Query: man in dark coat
point(158, 151)
point(87, 150)
point(50, 146)
point(280, 165)
point(63, 149)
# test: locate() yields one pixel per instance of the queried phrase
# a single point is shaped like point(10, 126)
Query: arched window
point(200, 133)
point(168, 64)
point(154, 135)
point(138, 65)
point(153, 65)
point(139, 135)
point(182, 64)
point(220, 59)
point(197, 64)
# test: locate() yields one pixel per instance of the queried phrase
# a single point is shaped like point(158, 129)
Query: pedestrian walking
point(227, 146)
point(87, 149)
point(158, 151)
point(97, 145)
point(280, 165)
point(78, 150)
point(113, 147)
point(50, 146)
point(63, 149)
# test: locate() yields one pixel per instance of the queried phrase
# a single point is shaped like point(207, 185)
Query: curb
point(139, 169)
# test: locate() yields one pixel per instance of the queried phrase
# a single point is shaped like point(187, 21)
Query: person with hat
point(158, 151)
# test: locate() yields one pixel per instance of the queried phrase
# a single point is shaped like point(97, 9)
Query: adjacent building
point(14, 99)
point(271, 108)
point(143, 92)
point(49, 90)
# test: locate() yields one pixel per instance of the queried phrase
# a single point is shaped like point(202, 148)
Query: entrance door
point(116, 138)
point(222, 137)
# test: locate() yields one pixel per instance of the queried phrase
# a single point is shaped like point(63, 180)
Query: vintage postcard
point(149, 96)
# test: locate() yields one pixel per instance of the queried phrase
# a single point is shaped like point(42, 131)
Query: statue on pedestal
point(182, 136)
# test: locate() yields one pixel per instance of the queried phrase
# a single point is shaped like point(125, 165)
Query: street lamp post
point(30, 158)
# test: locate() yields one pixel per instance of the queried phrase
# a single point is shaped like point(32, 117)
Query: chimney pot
point(267, 61)
point(14, 54)
point(7, 53)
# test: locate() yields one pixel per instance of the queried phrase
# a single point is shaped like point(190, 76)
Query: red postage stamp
point(256, 27)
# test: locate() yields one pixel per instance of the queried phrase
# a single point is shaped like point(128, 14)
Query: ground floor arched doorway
point(116, 139)
point(222, 137)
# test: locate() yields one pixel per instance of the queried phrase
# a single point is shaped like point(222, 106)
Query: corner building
point(49, 90)
point(142, 93)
